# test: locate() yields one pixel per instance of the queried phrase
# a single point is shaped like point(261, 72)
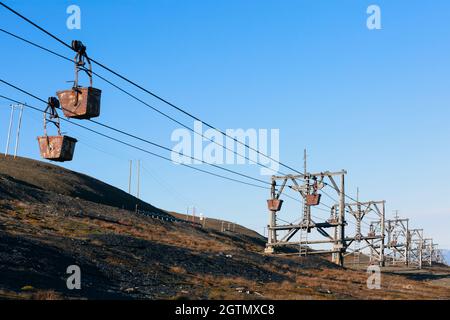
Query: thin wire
point(349, 197)
point(138, 148)
point(139, 100)
point(142, 139)
point(151, 93)
point(153, 108)
point(35, 25)
point(148, 91)
point(171, 190)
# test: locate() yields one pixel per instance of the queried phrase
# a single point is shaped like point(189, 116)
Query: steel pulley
point(81, 102)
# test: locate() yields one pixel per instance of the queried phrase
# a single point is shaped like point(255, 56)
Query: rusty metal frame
point(416, 247)
point(428, 251)
point(398, 240)
point(374, 240)
point(303, 185)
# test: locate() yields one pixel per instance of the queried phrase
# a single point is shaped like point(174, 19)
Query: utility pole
point(304, 161)
point(19, 125)
point(383, 236)
point(138, 179)
point(340, 260)
point(399, 239)
point(373, 239)
point(420, 253)
point(11, 118)
point(396, 217)
point(129, 177)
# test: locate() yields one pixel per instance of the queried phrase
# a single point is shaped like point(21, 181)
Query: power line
point(142, 139)
point(156, 109)
point(171, 190)
point(138, 148)
point(166, 186)
point(144, 89)
point(137, 99)
point(35, 25)
point(180, 109)
point(147, 91)
point(146, 151)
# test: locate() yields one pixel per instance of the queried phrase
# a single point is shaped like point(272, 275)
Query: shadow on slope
point(45, 176)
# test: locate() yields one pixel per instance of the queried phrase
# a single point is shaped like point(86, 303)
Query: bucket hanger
point(52, 115)
point(80, 60)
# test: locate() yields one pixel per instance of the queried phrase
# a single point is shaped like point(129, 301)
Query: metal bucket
point(81, 102)
point(274, 204)
point(57, 148)
point(313, 199)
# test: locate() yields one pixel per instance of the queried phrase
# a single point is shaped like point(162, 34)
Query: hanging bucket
point(274, 204)
point(371, 234)
point(55, 148)
point(80, 102)
point(313, 199)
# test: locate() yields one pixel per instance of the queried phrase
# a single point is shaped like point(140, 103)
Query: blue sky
point(375, 103)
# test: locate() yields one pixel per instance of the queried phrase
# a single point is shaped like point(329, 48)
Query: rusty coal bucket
point(57, 148)
point(274, 204)
point(313, 199)
point(80, 102)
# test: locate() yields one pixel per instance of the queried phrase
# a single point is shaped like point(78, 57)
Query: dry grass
point(46, 295)
point(248, 274)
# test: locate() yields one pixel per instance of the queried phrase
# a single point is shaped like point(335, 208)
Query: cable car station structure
point(387, 242)
point(308, 186)
point(374, 239)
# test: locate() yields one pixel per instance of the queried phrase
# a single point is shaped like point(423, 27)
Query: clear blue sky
point(375, 103)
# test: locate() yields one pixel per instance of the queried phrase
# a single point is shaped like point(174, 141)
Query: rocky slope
point(51, 218)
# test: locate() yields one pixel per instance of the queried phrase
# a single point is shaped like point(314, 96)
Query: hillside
point(31, 178)
point(51, 218)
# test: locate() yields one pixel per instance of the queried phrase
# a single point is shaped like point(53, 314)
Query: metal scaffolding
point(308, 186)
point(387, 242)
point(398, 240)
point(374, 239)
point(416, 247)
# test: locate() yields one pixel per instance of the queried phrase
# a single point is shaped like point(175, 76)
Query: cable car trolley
point(55, 148)
point(80, 102)
point(313, 199)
